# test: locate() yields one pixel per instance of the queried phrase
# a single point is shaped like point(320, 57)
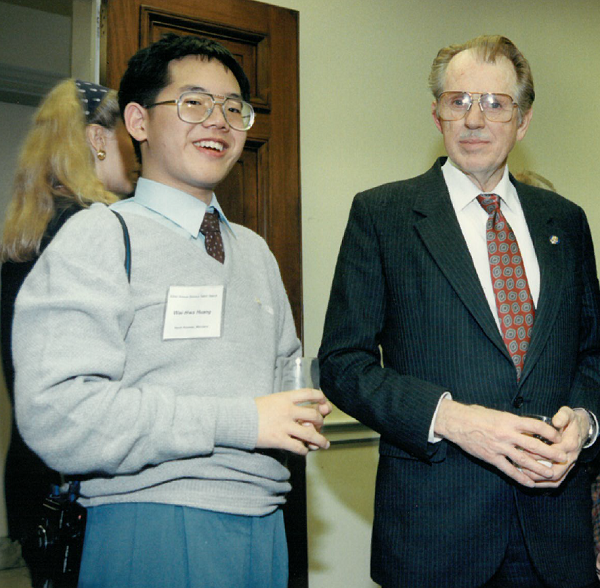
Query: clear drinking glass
point(545, 419)
point(297, 372)
point(548, 421)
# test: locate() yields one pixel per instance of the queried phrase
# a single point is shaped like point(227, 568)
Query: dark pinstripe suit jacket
point(405, 282)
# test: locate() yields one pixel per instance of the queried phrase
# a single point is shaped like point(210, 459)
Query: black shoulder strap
point(127, 244)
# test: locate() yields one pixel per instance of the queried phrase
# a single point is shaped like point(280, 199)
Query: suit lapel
point(440, 232)
point(548, 241)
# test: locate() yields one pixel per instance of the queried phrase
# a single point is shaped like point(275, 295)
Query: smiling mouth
point(212, 145)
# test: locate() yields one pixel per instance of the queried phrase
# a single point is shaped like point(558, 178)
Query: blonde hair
point(487, 48)
point(56, 162)
point(533, 179)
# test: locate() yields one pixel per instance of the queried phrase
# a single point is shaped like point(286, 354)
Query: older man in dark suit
point(463, 303)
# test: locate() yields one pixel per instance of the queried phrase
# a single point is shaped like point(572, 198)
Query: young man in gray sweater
point(160, 393)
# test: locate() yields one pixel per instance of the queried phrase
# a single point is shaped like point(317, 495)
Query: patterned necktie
point(511, 290)
point(213, 240)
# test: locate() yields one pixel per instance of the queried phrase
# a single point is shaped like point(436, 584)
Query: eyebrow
point(190, 88)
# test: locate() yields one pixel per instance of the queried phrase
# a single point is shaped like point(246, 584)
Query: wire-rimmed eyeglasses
point(495, 107)
point(196, 107)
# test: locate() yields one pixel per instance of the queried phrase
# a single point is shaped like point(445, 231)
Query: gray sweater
point(100, 395)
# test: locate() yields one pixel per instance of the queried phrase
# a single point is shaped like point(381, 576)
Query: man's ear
point(136, 117)
point(436, 119)
point(524, 125)
point(96, 136)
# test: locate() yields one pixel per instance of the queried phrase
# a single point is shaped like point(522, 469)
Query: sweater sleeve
point(289, 345)
point(71, 321)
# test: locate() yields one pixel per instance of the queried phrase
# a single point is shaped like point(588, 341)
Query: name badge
point(193, 312)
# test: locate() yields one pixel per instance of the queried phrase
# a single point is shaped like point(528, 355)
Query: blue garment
point(144, 545)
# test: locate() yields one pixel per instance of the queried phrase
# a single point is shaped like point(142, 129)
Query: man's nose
point(474, 117)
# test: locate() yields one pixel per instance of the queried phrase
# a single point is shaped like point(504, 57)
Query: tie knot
point(489, 202)
point(210, 223)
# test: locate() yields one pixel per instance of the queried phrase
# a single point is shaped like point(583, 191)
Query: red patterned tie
point(213, 240)
point(511, 290)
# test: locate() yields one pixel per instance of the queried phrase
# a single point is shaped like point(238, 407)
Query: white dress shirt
point(472, 219)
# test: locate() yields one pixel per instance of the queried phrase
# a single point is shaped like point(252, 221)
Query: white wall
point(340, 493)
point(35, 39)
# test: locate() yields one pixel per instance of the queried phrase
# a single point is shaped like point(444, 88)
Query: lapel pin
point(554, 240)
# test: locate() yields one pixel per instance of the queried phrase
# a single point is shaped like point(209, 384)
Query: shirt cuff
point(433, 438)
point(593, 430)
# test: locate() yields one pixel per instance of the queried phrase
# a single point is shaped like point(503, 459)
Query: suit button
point(518, 402)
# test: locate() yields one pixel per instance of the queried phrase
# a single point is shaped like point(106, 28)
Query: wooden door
point(263, 190)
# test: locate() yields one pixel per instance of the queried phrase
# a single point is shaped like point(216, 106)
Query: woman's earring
point(101, 154)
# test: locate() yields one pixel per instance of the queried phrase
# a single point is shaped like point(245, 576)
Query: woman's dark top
point(27, 479)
